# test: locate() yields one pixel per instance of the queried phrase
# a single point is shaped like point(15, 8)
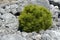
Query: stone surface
point(44, 3)
point(13, 37)
point(56, 0)
point(2, 11)
point(6, 1)
point(8, 22)
point(17, 6)
point(51, 35)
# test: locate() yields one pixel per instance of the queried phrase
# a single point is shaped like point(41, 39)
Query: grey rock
point(51, 6)
point(56, 0)
point(2, 11)
point(33, 36)
point(10, 20)
point(46, 37)
point(37, 37)
point(51, 35)
point(13, 6)
point(41, 32)
point(14, 11)
point(12, 37)
point(8, 23)
point(44, 3)
point(7, 9)
point(18, 5)
point(24, 34)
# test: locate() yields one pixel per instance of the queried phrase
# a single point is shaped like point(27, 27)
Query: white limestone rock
point(22, 3)
point(50, 35)
point(7, 9)
point(2, 10)
point(31, 36)
point(14, 11)
point(13, 6)
point(8, 23)
point(12, 37)
point(44, 3)
point(51, 6)
point(24, 34)
point(56, 0)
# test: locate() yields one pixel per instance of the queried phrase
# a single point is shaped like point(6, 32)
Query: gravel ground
point(6, 1)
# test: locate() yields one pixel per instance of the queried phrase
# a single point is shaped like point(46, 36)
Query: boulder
point(9, 23)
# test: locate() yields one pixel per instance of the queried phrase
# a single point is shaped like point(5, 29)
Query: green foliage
point(35, 18)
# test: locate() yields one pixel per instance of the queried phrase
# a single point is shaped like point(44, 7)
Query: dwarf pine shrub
point(35, 18)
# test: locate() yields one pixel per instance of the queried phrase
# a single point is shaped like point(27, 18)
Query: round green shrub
point(35, 18)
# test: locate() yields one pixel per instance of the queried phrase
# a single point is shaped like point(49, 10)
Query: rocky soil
point(9, 22)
